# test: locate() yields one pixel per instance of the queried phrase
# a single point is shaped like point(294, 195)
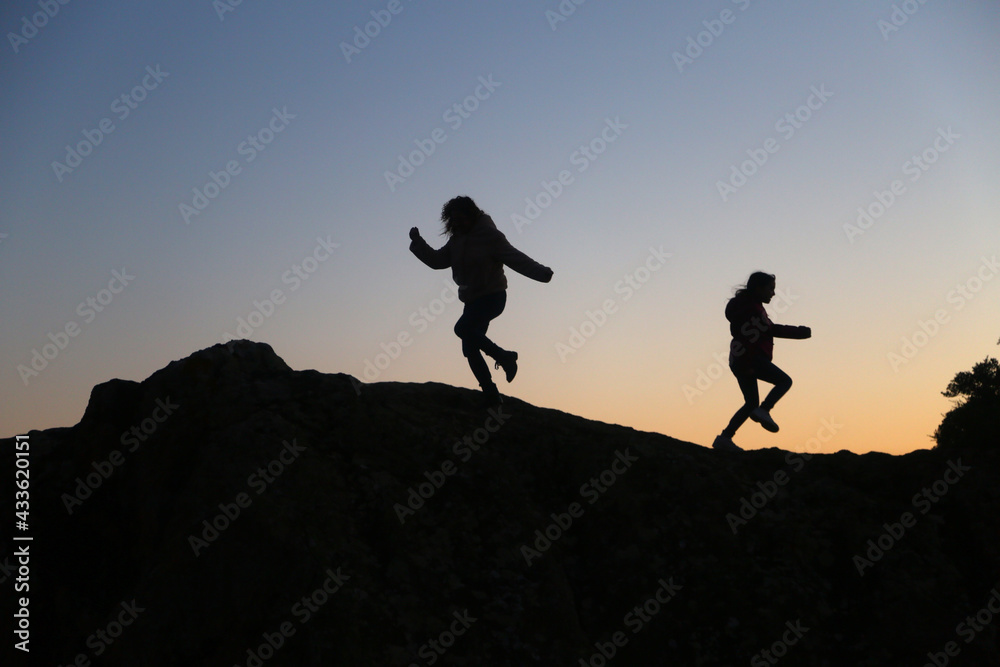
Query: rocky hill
point(229, 510)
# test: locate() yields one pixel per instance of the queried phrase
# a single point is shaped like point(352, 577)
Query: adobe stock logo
point(714, 28)
point(914, 168)
point(122, 106)
point(133, 438)
point(296, 275)
point(249, 149)
point(787, 126)
point(899, 17)
point(627, 287)
point(455, 115)
point(562, 12)
point(38, 20)
point(963, 293)
point(924, 501)
point(585, 155)
point(593, 489)
point(635, 620)
point(223, 7)
point(260, 480)
point(88, 309)
point(362, 38)
point(418, 494)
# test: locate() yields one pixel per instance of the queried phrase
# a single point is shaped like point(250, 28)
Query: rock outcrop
point(229, 510)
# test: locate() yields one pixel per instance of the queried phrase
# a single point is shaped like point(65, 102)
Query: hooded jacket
point(753, 332)
point(477, 258)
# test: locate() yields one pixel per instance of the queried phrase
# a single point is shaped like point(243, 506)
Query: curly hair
point(458, 207)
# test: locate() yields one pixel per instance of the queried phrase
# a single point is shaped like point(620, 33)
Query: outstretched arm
point(436, 259)
point(520, 262)
point(786, 331)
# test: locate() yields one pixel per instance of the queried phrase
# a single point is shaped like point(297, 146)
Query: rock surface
point(397, 524)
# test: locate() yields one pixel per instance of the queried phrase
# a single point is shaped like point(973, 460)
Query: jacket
point(754, 333)
point(477, 258)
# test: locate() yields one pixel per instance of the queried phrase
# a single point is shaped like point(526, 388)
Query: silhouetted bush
point(975, 419)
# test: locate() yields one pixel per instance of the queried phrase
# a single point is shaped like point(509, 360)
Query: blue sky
point(844, 104)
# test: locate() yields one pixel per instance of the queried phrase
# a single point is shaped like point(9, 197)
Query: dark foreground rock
point(256, 515)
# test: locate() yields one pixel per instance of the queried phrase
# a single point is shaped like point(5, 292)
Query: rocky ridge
point(229, 510)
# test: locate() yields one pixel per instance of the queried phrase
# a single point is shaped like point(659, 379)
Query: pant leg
point(751, 399)
point(761, 370)
point(471, 327)
point(768, 372)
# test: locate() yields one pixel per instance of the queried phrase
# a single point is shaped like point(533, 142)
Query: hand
point(414, 233)
point(549, 276)
point(806, 332)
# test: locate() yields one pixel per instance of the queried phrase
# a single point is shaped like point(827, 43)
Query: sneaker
point(763, 417)
point(508, 361)
point(725, 444)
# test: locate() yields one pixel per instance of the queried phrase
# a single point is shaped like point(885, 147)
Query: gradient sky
point(330, 121)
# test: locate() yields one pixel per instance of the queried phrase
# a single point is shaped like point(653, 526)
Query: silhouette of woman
point(476, 251)
point(750, 354)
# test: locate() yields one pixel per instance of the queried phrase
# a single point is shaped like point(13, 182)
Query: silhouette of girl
point(750, 355)
point(476, 251)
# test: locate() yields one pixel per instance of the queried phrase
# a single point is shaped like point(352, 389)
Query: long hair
point(756, 280)
point(459, 207)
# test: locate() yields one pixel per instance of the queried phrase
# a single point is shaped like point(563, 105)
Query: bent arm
point(518, 261)
point(436, 259)
point(786, 331)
